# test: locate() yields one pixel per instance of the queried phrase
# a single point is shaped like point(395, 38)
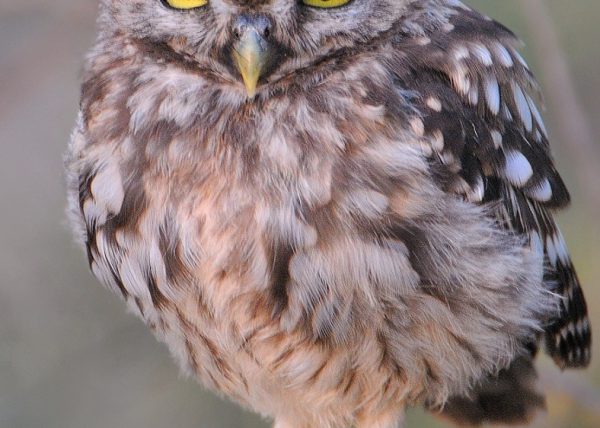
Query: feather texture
point(372, 230)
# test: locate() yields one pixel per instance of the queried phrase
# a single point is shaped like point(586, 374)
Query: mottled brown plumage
point(368, 228)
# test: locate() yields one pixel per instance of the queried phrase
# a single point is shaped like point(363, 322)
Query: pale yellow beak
point(250, 56)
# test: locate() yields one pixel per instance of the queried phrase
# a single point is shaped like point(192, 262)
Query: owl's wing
point(487, 143)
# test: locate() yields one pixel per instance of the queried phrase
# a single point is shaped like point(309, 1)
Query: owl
point(329, 210)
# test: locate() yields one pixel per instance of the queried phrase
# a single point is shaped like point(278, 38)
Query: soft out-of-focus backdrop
point(71, 357)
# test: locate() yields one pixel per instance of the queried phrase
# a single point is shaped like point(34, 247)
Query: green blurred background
point(70, 356)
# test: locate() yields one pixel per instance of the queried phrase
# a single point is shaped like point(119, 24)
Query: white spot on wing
point(426, 148)
point(507, 114)
point(561, 248)
point(582, 326)
point(517, 169)
point(492, 94)
point(536, 243)
point(474, 95)
point(503, 55)
point(551, 250)
point(460, 53)
point(497, 138)
point(522, 107)
point(434, 104)
point(461, 81)
point(417, 126)
point(448, 27)
point(482, 53)
point(478, 191)
point(537, 115)
point(542, 191)
point(437, 141)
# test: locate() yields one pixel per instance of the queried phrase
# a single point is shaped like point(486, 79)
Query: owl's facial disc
point(252, 52)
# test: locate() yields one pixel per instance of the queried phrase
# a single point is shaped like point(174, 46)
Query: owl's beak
point(251, 54)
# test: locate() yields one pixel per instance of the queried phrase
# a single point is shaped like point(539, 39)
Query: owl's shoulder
point(479, 104)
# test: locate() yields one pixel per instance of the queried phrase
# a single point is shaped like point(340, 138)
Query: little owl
point(328, 209)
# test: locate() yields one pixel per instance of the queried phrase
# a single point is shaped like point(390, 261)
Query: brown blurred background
point(70, 356)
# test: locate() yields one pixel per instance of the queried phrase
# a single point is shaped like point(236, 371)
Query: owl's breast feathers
point(330, 241)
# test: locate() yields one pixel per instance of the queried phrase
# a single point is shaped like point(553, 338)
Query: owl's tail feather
point(568, 337)
point(510, 397)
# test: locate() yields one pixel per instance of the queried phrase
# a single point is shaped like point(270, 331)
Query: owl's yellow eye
point(325, 3)
point(186, 4)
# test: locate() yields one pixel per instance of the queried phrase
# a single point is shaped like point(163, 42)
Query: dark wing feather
point(488, 144)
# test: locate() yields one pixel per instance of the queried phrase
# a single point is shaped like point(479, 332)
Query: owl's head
point(253, 42)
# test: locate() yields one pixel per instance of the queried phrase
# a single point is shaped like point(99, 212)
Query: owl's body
point(371, 229)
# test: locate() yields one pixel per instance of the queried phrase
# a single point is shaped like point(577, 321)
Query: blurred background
point(70, 355)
